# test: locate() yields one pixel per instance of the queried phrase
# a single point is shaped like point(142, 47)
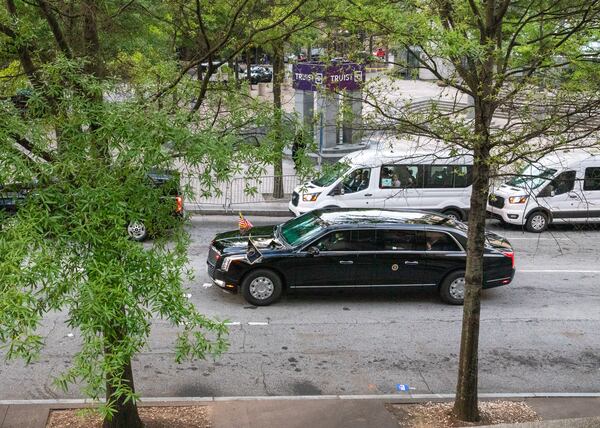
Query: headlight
point(225, 265)
point(517, 199)
point(310, 197)
point(227, 262)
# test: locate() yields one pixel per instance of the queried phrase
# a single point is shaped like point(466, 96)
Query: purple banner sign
point(312, 76)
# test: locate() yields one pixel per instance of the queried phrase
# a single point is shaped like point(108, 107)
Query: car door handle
point(368, 194)
point(411, 263)
point(346, 262)
point(573, 196)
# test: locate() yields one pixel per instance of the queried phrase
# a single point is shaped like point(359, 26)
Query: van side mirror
point(313, 251)
point(337, 190)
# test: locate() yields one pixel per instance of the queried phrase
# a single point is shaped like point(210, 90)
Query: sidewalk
point(321, 412)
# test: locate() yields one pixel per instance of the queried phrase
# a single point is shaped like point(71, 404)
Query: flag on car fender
point(244, 224)
point(253, 255)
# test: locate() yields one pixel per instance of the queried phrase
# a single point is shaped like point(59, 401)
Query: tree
point(105, 109)
point(531, 60)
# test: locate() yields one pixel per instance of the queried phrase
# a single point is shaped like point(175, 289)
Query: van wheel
point(453, 214)
point(537, 222)
point(452, 289)
point(262, 287)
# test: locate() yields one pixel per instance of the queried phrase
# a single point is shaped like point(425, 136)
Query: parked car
point(258, 74)
point(13, 195)
point(346, 248)
point(560, 188)
point(391, 179)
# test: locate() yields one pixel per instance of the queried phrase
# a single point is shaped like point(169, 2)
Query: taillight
point(179, 207)
point(511, 256)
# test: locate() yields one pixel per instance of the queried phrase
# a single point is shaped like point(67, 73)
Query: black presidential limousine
point(347, 248)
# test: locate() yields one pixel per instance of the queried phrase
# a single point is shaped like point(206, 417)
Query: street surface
point(539, 334)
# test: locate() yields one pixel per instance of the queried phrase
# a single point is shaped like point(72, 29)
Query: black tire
point(261, 287)
point(537, 222)
point(453, 214)
point(137, 231)
point(448, 291)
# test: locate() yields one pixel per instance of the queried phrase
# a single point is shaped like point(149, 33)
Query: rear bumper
point(500, 281)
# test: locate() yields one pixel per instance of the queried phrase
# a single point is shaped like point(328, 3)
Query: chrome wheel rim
point(261, 288)
point(452, 216)
point(538, 222)
point(136, 229)
point(457, 289)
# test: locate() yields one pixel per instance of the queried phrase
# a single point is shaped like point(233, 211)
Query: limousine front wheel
point(452, 289)
point(262, 287)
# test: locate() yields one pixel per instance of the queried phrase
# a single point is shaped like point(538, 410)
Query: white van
point(374, 178)
point(559, 188)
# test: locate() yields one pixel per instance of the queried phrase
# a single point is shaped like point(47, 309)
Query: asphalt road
point(539, 334)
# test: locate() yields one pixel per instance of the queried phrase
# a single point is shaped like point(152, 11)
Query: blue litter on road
point(402, 387)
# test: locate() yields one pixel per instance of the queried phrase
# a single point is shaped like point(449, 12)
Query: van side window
point(591, 180)
point(447, 176)
point(400, 177)
point(357, 180)
point(563, 183)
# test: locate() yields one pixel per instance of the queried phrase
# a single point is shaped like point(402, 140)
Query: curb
point(258, 213)
point(402, 397)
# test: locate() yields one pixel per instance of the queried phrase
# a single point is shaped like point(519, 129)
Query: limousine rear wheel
point(452, 289)
point(262, 287)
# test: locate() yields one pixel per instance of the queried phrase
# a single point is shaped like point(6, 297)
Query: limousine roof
point(378, 217)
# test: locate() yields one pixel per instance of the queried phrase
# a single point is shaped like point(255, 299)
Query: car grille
point(295, 198)
point(496, 201)
point(213, 256)
point(211, 270)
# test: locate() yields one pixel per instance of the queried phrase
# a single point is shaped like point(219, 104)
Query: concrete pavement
point(301, 412)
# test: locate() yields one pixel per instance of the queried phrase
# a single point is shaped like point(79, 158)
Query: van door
point(563, 198)
point(358, 189)
point(591, 192)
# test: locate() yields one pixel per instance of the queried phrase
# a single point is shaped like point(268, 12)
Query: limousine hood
point(233, 242)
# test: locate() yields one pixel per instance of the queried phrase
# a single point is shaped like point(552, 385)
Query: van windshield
point(531, 177)
point(330, 175)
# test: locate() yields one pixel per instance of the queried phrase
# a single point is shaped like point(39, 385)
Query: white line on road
point(402, 396)
point(232, 323)
point(257, 323)
point(557, 271)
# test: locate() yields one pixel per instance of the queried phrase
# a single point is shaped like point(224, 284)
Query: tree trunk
point(465, 405)
point(278, 70)
point(126, 415)
point(248, 62)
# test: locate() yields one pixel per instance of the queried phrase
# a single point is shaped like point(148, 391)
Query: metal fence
point(241, 190)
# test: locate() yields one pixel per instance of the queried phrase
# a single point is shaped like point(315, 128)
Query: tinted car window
point(440, 241)
point(348, 240)
point(398, 240)
point(591, 179)
point(301, 229)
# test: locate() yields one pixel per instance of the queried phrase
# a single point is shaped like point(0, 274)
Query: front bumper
point(295, 210)
point(512, 216)
point(221, 279)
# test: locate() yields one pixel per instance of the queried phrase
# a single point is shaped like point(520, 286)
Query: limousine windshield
point(302, 229)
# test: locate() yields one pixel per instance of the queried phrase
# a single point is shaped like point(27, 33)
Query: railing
point(242, 190)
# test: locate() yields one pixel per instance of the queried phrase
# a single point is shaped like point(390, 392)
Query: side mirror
point(552, 193)
point(337, 190)
point(313, 251)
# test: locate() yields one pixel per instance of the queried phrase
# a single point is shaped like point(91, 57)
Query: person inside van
point(352, 182)
point(364, 183)
point(396, 181)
